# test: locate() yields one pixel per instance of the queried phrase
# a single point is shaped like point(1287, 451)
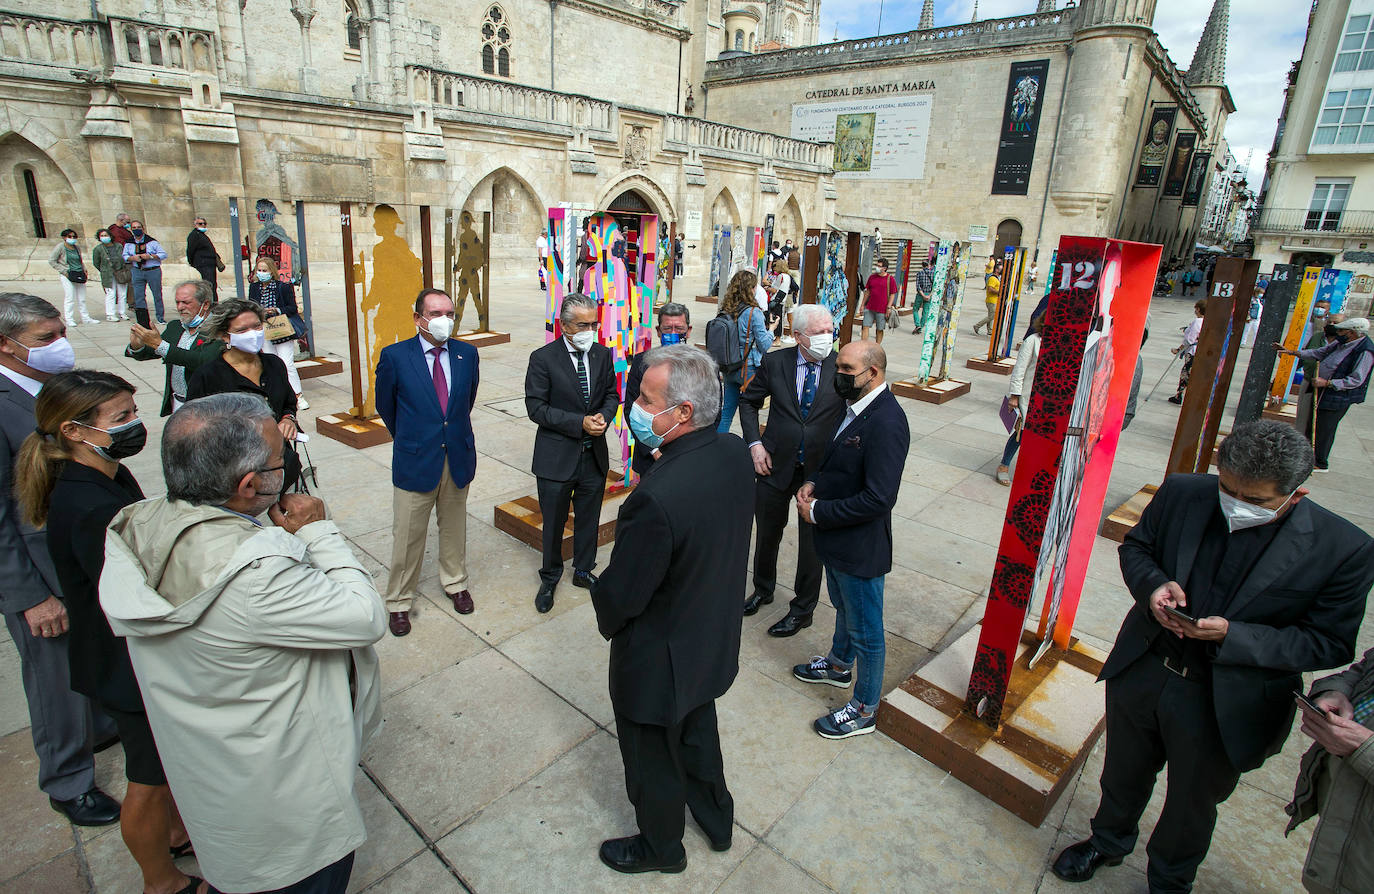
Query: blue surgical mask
point(1319, 312)
point(672, 338)
point(71, 240)
point(196, 320)
point(201, 229)
point(105, 239)
point(263, 276)
point(642, 426)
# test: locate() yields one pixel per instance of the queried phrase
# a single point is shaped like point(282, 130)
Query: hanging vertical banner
point(1197, 178)
point(1180, 163)
point(1155, 152)
point(1020, 126)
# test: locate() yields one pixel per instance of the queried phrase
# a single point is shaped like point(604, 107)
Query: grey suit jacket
point(26, 571)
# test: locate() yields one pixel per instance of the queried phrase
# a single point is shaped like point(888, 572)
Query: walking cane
point(1161, 379)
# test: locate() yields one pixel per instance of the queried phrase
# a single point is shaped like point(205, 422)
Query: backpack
point(723, 342)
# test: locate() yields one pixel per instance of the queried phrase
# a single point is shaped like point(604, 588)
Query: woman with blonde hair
point(68, 476)
point(278, 298)
point(751, 327)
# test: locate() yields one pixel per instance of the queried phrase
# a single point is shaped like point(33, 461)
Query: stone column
point(304, 11)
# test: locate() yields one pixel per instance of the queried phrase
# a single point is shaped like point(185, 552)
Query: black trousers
point(208, 273)
point(332, 879)
point(1156, 717)
point(1327, 420)
point(667, 767)
point(584, 491)
point(771, 510)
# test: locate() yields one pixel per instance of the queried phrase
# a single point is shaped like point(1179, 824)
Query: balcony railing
point(708, 135)
point(1317, 223)
point(37, 40)
point(147, 45)
point(450, 90)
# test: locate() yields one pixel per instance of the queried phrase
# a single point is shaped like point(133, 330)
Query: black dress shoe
point(1078, 862)
point(721, 846)
point(543, 600)
point(95, 808)
point(584, 579)
point(755, 602)
point(789, 625)
point(629, 855)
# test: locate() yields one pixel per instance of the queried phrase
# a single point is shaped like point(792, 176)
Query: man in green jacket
point(1337, 782)
point(180, 346)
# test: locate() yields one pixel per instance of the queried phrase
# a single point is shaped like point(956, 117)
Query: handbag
point(123, 276)
point(894, 319)
point(76, 276)
point(278, 326)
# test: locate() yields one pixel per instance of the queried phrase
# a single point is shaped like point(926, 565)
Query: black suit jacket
point(857, 485)
point(777, 379)
point(201, 351)
point(83, 502)
point(671, 600)
point(642, 459)
point(1297, 610)
point(26, 573)
point(553, 400)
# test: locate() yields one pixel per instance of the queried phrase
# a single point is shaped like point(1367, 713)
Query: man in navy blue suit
point(426, 388)
point(849, 499)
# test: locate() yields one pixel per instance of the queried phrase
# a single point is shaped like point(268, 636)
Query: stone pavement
point(497, 769)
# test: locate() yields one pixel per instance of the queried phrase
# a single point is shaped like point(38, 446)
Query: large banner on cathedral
point(1180, 163)
point(1020, 127)
point(1197, 178)
point(1155, 152)
point(875, 139)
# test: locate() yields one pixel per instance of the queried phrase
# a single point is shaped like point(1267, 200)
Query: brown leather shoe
point(399, 623)
point(462, 602)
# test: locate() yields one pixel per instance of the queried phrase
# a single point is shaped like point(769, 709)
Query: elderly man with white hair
point(1342, 379)
point(802, 417)
point(253, 650)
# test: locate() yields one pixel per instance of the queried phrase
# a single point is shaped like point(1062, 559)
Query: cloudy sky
point(1266, 35)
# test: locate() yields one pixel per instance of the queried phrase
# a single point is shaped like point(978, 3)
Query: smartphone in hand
point(1178, 614)
point(1311, 705)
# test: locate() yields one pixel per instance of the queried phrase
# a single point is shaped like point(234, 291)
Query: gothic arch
point(462, 190)
point(724, 209)
point(642, 184)
point(789, 223)
point(518, 213)
point(33, 139)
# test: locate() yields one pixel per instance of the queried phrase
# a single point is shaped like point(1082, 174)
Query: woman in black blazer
point(246, 366)
point(278, 297)
point(68, 476)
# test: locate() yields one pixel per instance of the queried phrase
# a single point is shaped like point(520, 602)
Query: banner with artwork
point(1333, 287)
point(1197, 178)
point(1155, 153)
point(1020, 127)
point(1180, 163)
point(874, 139)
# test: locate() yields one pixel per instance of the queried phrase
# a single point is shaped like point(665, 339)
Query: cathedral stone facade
point(703, 111)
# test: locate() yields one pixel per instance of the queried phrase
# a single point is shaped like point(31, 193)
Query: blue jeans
point(729, 401)
point(151, 278)
point(858, 631)
point(1009, 452)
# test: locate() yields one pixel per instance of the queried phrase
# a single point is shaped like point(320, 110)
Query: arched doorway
point(1008, 236)
point(631, 201)
point(516, 217)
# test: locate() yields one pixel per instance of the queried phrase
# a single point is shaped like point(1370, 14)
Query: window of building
point(1327, 205)
point(35, 207)
point(789, 31)
point(1343, 117)
point(1357, 46)
point(496, 43)
point(353, 27)
point(739, 40)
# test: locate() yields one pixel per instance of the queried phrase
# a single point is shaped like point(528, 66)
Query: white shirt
point(542, 243)
point(32, 386)
point(761, 297)
point(574, 353)
point(444, 362)
point(858, 407)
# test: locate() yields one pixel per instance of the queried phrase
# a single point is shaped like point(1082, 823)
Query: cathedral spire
point(1209, 60)
point(1045, 6)
point(975, 11)
point(927, 15)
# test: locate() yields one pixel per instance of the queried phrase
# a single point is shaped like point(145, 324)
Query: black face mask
point(847, 388)
point(125, 440)
point(1330, 330)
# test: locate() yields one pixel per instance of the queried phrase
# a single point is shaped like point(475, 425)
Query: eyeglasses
point(279, 468)
point(581, 327)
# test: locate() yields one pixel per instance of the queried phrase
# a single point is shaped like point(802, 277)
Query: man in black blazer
point(802, 414)
point(849, 499)
point(34, 346)
point(571, 394)
point(180, 347)
point(671, 602)
point(1272, 585)
point(674, 328)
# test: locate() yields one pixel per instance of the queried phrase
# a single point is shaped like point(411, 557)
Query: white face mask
point(819, 345)
point(583, 341)
point(1241, 515)
point(440, 328)
point(57, 357)
point(263, 276)
point(249, 342)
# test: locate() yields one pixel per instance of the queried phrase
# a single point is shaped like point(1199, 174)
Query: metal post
point(356, 354)
point(426, 248)
point(238, 254)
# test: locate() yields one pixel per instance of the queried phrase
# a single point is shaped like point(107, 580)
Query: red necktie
point(440, 382)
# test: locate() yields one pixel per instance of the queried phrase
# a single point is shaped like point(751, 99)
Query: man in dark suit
point(201, 254)
point(802, 415)
point(674, 328)
point(180, 347)
point(426, 389)
point(571, 394)
point(1271, 585)
point(849, 499)
point(33, 347)
point(670, 603)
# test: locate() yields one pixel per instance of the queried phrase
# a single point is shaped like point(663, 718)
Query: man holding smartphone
point(1240, 585)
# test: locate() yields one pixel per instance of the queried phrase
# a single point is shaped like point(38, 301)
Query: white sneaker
point(91, 321)
point(110, 319)
point(302, 403)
